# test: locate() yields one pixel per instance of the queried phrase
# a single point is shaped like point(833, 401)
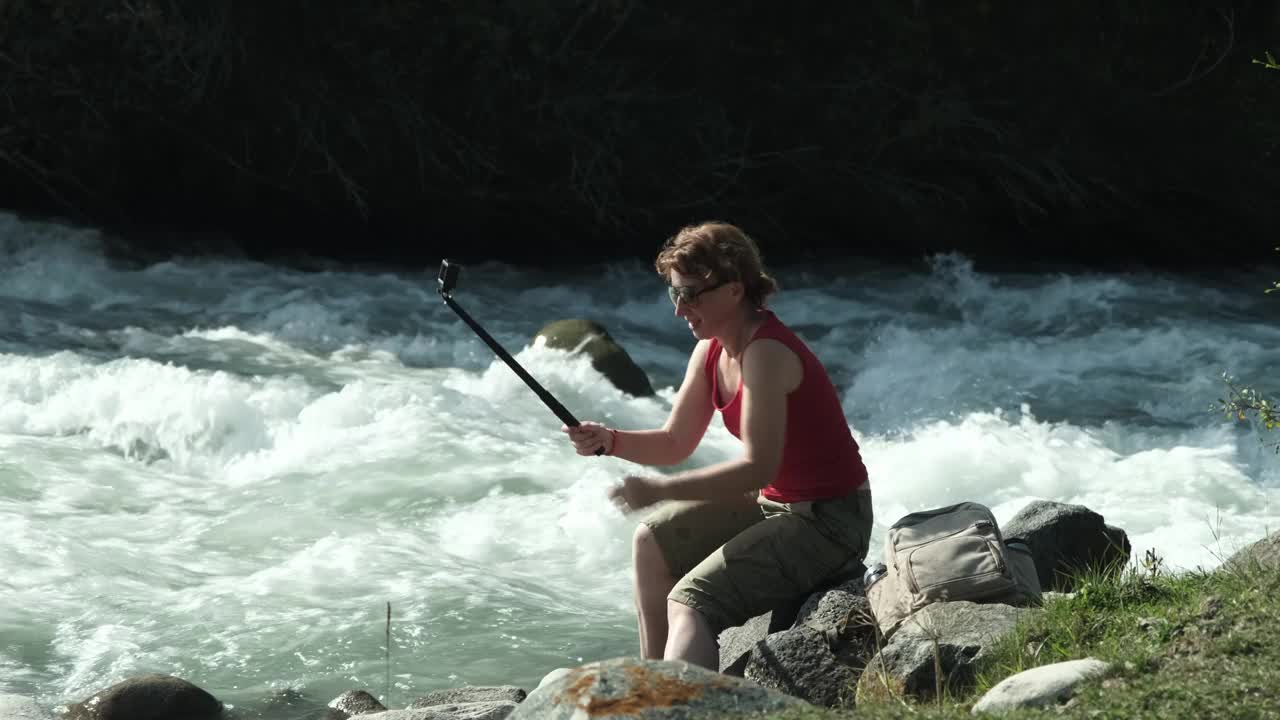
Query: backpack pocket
point(888, 601)
point(966, 564)
point(1024, 571)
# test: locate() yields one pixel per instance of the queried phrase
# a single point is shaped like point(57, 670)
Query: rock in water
point(148, 697)
point(607, 356)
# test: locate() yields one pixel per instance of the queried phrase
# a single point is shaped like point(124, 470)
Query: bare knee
point(647, 555)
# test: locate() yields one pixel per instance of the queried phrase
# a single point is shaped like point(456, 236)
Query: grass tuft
point(1196, 644)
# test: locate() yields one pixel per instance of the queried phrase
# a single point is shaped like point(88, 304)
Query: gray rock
point(504, 693)
point(494, 710)
point(844, 614)
point(841, 606)
point(653, 689)
point(1261, 555)
point(552, 677)
point(820, 657)
point(356, 702)
point(1040, 687)
point(607, 356)
point(736, 642)
point(963, 632)
point(17, 707)
point(1065, 539)
point(148, 697)
point(801, 663)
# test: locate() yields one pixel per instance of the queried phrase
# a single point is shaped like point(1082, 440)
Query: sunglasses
point(688, 295)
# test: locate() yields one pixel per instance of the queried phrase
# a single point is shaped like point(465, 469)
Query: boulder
point(844, 605)
point(802, 663)
point(491, 710)
point(148, 697)
point(503, 693)
point(356, 702)
point(1261, 555)
point(956, 634)
point(1065, 539)
point(654, 689)
point(553, 676)
point(607, 356)
point(820, 656)
point(1040, 687)
point(18, 707)
point(736, 642)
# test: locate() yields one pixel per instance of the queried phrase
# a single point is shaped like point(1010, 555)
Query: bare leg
point(690, 637)
point(653, 581)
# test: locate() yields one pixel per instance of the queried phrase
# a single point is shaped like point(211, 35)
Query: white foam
point(1191, 503)
point(228, 468)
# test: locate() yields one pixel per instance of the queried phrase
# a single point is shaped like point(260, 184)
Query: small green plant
point(1269, 63)
point(1152, 563)
point(1245, 403)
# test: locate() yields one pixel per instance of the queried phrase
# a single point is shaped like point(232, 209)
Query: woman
point(748, 534)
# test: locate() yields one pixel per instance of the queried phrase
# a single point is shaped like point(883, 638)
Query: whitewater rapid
point(225, 470)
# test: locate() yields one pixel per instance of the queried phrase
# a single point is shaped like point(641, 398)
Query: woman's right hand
point(588, 437)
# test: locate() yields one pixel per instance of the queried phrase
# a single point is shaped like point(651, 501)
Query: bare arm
point(769, 372)
point(690, 415)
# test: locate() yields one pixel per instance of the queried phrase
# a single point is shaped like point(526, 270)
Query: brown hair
point(719, 252)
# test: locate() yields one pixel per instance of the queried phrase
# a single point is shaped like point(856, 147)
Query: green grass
point(1188, 645)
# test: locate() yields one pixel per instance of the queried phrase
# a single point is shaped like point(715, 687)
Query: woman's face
point(705, 304)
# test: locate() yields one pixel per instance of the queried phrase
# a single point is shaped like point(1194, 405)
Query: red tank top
point(820, 458)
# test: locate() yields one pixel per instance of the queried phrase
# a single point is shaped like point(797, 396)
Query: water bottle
point(873, 574)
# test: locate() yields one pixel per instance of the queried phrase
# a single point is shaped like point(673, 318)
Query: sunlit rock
point(607, 356)
point(1065, 539)
point(356, 702)
point(1261, 555)
point(654, 689)
point(951, 635)
point(470, 694)
point(1040, 687)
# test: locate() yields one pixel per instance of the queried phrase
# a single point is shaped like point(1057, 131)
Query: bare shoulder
point(698, 357)
point(770, 361)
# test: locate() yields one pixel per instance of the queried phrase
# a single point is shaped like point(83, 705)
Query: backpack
point(949, 553)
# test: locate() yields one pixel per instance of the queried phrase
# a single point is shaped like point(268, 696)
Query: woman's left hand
point(636, 492)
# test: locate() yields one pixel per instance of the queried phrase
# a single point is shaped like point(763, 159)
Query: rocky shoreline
point(823, 650)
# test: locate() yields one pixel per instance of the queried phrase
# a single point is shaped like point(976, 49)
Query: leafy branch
point(1270, 62)
point(1245, 403)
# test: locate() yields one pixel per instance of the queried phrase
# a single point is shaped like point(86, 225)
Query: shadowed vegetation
point(585, 129)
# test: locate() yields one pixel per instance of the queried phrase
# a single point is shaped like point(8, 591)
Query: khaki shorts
point(736, 560)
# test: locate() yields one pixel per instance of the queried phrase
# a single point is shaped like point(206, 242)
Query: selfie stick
point(448, 279)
